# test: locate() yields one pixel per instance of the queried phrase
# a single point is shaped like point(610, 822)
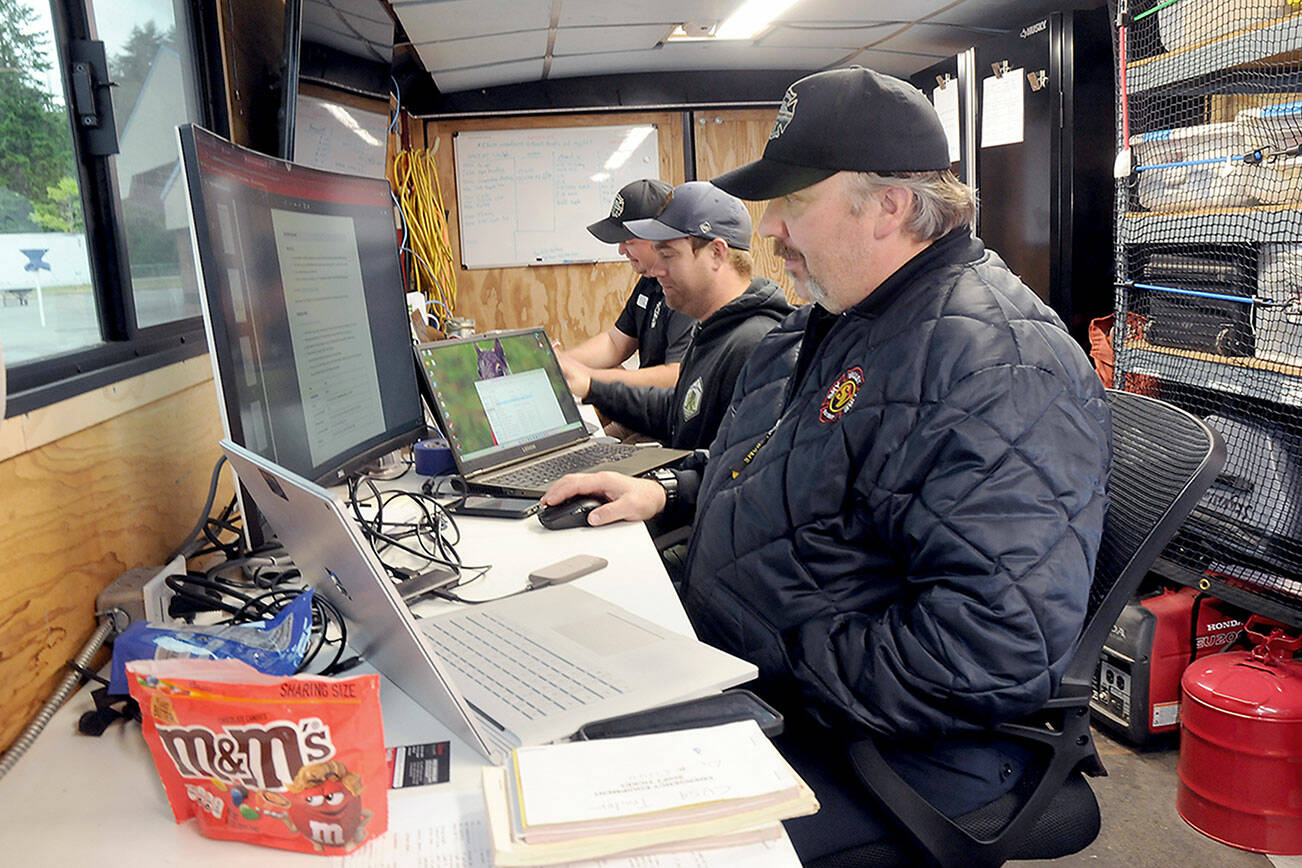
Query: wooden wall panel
point(574, 302)
point(78, 512)
point(726, 140)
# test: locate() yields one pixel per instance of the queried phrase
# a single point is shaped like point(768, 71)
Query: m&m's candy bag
point(296, 763)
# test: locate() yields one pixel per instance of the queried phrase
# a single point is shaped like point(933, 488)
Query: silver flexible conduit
point(70, 683)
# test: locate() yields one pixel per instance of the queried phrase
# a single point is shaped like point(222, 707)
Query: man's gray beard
point(812, 291)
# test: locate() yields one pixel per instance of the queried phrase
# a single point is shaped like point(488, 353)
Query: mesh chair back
point(1163, 459)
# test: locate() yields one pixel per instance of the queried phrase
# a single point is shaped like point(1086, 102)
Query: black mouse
point(569, 513)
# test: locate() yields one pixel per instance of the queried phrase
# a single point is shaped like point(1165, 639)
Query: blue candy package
point(274, 647)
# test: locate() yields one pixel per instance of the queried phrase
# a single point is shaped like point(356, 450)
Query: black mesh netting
point(1209, 270)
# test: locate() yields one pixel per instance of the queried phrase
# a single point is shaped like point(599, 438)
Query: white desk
point(75, 800)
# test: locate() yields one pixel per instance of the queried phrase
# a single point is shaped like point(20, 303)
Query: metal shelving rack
point(1244, 543)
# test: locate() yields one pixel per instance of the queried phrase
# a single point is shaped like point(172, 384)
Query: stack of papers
point(686, 790)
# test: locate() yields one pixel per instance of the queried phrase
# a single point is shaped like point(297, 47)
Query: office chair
point(1163, 459)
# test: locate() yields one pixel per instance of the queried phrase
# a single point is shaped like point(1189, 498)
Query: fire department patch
point(786, 113)
point(692, 400)
point(841, 396)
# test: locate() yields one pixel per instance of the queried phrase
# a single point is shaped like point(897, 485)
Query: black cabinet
point(1046, 202)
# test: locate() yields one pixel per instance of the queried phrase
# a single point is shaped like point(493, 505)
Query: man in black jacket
point(899, 518)
point(702, 242)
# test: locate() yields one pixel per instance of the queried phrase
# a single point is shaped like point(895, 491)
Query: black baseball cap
point(633, 202)
point(701, 210)
point(843, 120)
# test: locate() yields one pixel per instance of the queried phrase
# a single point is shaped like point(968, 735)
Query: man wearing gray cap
point(646, 325)
point(702, 244)
point(899, 519)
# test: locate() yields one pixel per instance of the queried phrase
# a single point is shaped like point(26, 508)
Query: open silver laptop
point(511, 421)
point(528, 669)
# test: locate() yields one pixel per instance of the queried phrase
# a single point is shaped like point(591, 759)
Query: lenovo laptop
point(511, 421)
point(521, 670)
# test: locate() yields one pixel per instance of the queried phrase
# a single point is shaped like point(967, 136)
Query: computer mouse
point(569, 513)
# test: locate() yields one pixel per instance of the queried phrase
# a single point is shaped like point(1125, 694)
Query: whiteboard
point(526, 197)
point(339, 138)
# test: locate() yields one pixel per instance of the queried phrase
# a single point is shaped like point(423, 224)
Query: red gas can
point(1241, 745)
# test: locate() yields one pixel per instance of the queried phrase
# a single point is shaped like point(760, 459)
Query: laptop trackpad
point(606, 634)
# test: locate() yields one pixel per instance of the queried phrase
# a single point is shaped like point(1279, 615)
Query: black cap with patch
point(843, 120)
point(636, 201)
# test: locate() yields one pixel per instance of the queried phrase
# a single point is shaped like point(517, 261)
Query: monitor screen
point(499, 397)
point(305, 308)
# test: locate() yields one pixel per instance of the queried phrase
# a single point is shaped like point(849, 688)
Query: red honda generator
point(1137, 681)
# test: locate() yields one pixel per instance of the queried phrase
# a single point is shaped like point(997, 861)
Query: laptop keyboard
point(503, 659)
point(549, 470)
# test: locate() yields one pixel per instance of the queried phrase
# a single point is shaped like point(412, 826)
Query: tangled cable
point(430, 537)
point(430, 262)
point(263, 584)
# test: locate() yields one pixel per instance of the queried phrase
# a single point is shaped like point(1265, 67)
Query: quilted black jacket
point(911, 548)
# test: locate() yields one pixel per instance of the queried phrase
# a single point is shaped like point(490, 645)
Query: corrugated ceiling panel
point(696, 57)
point(479, 50)
point(456, 19)
point(825, 36)
point(488, 76)
point(579, 13)
point(586, 40)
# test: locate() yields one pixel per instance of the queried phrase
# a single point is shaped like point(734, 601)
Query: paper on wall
point(945, 99)
point(1002, 109)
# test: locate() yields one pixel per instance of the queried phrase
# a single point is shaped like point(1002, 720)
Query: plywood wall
point(726, 140)
point(576, 301)
point(572, 301)
point(76, 513)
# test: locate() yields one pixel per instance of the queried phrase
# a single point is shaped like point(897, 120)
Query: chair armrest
point(931, 831)
point(1060, 740)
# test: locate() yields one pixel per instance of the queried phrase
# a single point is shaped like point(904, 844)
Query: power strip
point(140, 594)
point(157, 594)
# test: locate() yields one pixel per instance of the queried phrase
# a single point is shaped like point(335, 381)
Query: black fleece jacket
point(688, 415)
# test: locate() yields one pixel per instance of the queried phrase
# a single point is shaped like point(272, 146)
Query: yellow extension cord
point(415, 183)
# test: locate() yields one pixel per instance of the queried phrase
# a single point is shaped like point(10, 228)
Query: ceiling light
point(693, 31)
point(751, 17)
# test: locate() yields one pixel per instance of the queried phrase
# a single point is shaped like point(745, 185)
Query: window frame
point(126, 349)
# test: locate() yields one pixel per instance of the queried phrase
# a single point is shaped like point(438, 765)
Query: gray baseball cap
point(701, 210)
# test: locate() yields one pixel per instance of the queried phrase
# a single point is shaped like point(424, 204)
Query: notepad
point(689, 789)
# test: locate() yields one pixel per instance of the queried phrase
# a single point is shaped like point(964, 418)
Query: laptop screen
point(499, 398)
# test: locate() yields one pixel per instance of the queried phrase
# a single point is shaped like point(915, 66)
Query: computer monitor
point(304, 306)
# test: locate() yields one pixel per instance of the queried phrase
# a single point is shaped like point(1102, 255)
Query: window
point(46, 301)
point(96, 273)
point(153, 73)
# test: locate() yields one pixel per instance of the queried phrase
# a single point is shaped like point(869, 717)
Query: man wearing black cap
point(658, 334)
point(702, 244)
point(899, 519)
